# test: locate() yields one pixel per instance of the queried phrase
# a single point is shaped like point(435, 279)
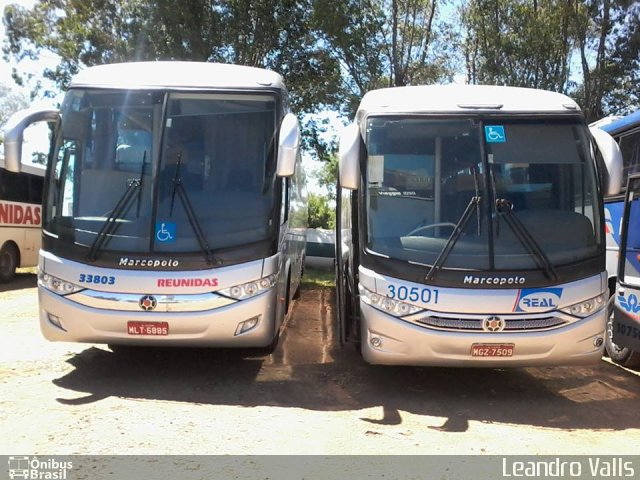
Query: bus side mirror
point(349, 157)
point(14, 130)
point(612, 159)
point(288, 145)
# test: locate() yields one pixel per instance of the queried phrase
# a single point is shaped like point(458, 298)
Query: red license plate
point(148, 328)
point(492, 349)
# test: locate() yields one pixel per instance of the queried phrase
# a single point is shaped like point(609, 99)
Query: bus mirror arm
point(14, 130)
point(349, 157)
point(288, 146)
point(612, 158)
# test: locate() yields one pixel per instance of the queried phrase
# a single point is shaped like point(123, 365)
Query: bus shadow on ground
point(309, 371)
point(21, 281)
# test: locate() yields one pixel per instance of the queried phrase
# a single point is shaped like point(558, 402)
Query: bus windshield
point(532, 181)
point(163, 172)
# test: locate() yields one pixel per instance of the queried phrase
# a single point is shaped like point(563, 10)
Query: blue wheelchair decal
point(494, 134)
point(166, 232)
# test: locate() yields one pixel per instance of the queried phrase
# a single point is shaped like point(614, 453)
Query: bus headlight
point(386, 304)
point(57, 285)
point(587, 307)
point(250, 289)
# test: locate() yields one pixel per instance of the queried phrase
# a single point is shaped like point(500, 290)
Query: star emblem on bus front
point(148, 303)
point(493, 324)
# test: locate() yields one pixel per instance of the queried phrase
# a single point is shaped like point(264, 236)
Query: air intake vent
point(475, 324)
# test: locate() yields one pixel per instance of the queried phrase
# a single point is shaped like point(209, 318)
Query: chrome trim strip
point(165, 303)
point(524, 322)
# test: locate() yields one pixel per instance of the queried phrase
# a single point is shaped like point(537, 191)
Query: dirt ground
point(309, 397)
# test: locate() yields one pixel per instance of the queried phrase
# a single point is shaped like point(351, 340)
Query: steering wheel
point(428, 227)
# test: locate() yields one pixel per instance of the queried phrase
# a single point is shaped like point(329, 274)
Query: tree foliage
point(609, 48)
point(331, 53)
point(384, 43)
point(531, 43)
point(321, 215)
point(10, 103)
point(519, 42)
point(274, 34)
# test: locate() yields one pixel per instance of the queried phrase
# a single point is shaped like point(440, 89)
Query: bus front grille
point(475, 324)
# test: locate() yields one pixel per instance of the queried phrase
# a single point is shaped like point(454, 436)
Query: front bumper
point(211, 328)
point(404, 343)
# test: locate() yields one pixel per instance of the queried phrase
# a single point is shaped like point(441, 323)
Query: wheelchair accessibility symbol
point(494, 134)
point(166, 232)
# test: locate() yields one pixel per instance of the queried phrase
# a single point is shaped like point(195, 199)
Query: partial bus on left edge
point(20, 218)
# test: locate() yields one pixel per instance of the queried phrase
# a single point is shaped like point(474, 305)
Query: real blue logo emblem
point(537, 299)
point(166, 232)
point(494, 134)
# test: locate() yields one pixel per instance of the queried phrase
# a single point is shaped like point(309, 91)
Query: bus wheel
point(8, 262)
point(620, 355)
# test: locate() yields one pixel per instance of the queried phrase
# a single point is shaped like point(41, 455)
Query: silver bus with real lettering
point(471, 228)
point(174, 206)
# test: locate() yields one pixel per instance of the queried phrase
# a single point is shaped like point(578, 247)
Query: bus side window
point(16, 187)
point(36, 185)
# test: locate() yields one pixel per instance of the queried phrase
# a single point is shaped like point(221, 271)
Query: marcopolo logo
point(494, 281)
point(537, 299)
point(148, 262)
point(38, 468)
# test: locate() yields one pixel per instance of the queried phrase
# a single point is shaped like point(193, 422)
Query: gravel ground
point(309, 397)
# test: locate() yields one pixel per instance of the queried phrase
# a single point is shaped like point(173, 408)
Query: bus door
point(626, 309)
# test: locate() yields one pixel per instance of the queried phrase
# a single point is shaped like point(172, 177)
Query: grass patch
point(315, 277)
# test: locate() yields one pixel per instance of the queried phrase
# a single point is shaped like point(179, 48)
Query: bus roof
point(463, 98)
point(622, 124)
point(189, 75)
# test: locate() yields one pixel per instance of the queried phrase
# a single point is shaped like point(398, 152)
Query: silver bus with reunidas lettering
point(471, 228)
point(174, 206)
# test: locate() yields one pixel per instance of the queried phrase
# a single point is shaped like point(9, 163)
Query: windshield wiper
point(178, 187)
point(111, 224)
point(526, 239)
point(474, 203)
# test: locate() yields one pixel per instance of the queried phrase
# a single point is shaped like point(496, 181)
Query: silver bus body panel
point(156, 282)
point(405, 342)
point(197, 315)
point(212, 328)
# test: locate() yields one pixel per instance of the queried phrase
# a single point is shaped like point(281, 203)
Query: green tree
point(327, 176)
point(608, 35)
point(385, 43)
point(531, 43)
point(274, 34)
point(10, 103)
point(624, 96)
point(321, 215)
point(519, 42)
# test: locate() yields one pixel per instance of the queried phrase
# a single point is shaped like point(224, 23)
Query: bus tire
point(621, 355)
point(9, 261)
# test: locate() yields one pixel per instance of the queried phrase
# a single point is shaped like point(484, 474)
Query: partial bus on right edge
point(471, 228)
point(626, 132)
